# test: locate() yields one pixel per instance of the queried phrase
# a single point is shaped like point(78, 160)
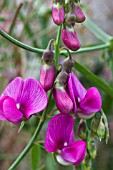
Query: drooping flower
point(48, 70)
point(21, 99)
point(80, 17)
point(70, 39)
point(60, 139)
point(58, 13)
point(60, 94)
point(86, 102)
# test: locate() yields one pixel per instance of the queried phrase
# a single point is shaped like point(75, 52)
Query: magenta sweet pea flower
point(21, 99)
point(70, 39)
point(80, 17)
point(60, 139)
point(47, 76)
point(86, 102)
point(58, 13)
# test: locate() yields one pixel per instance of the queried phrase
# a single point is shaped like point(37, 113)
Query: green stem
point(97, 31)
point(20, 44)
point(36, 133)
point(57, 45)
point(37, 50)
point(87, 49)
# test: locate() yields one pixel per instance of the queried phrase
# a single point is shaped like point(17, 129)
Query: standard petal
point(91, 103)
point(59, 132)
point(11, 113)
point(62, 99)
point(79, 90)
point(71, 92)
point(14, 89)
point(2, 117)
point(74, 153)
point(33, 98)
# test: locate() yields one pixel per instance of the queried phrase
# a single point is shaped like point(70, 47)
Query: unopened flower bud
point(91, 146)
point(71, 18)
point(94, 126)
point(80, 17)
point(47, 71)
point(58, 13)
point(61, 97)
point(101, 129)
point(69, 38)
point(68, 64)
point(82, 129)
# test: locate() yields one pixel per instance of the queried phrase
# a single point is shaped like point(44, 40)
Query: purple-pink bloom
point(58, 13)
point(62, 99)
point(60, 139)
point(86, 102)
point(80, 17)
point(70, 39)
point(21, 99)
point(47, 76)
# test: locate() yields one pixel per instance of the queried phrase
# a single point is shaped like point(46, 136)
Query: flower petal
point(58, 14)
point(59, 132)
point(79, 90)
point(91, 103)
point(71, 93)
point(11, 113)
point(47, 76)
point(74, 153)
point(2, 117)
point(14, 89)
point(76, 90)
point(70, 39)
point(62, 99)
point(33, 98)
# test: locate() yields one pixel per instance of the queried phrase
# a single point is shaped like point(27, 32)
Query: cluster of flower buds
point(68, 13)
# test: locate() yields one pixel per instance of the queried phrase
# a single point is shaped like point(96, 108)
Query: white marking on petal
point(79, 100)
point(62, 161)
point(18, 106)
point(65, 143)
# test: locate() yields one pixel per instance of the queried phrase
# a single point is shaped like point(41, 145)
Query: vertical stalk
point(36, 133)
point(57, 45)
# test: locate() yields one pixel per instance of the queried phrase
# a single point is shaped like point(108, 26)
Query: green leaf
point(21, 125)
point(97, 31)
point(35, 156)
point(93, 78)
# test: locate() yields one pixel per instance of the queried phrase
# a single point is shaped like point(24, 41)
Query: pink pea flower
point(21, 99)
point(61, 97)
point(47, 76)
point(80, 17)
point(60, 139)
point(70, 39)
point(58, 13)
point(86, 102)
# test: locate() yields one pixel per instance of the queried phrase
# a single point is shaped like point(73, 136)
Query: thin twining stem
point(37, 50)
point(36, 133)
